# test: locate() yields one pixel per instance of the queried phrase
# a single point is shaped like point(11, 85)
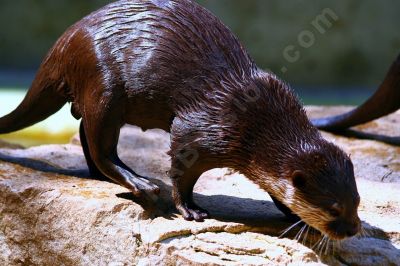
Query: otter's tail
point(41, 101)
point(385, 101)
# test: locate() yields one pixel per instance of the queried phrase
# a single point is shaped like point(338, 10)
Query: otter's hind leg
point(101, 127)
point(93, 170)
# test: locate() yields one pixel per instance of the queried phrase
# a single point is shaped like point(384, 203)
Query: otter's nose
point(353, 229)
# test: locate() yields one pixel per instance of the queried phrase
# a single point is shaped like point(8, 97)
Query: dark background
point(352, 56)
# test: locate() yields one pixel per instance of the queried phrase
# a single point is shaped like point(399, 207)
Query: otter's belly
point(149, 113)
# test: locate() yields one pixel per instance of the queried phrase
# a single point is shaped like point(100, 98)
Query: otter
point(171, 64)
point(384, 101)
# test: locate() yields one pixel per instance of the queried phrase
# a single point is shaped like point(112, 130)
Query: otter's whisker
point(361, 233)
point(328, 241)
point(317, 243)
point(304, 242)
point(299, 233)
point(321, 246)
point(367, 233)
point(298, 236)
point(290, 228)
point(334, 247)
point(339, 244)
point(364, 232)
point(324, 245)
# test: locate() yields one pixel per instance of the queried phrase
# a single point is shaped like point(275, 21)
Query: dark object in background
point(173, 65)
point(386, 100)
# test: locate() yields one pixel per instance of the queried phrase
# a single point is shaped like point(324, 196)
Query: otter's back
point(150, 41)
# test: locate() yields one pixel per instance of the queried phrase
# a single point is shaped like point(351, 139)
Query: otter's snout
point(342, 229)
point(353, 229)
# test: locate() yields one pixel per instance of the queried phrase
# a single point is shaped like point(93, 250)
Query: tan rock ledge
point(56, 219)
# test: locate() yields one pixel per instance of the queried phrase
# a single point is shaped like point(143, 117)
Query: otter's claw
point(194, 213)
point(146, 185)
point(143, 188)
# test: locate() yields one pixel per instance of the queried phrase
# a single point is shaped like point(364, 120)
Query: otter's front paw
point(192, 212)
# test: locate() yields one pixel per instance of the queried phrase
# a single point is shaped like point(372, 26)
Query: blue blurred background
point(339, 60)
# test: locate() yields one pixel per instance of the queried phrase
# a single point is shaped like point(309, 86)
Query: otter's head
point(321, 190)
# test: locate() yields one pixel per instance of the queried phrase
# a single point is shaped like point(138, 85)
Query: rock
point(48, 218)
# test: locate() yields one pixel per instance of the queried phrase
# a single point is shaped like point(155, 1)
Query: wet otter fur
point(173, 65)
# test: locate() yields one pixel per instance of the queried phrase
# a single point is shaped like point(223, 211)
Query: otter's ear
point(299, 179)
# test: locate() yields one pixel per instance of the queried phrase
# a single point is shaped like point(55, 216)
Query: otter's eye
point(335, 210)
point(299, 179)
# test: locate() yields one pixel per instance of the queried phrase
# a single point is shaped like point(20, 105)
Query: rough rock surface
point(55, 219)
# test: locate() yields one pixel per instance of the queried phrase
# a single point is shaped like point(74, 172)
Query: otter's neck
point(274, 126)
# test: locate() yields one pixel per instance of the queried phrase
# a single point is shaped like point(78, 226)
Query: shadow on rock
point(46, 167)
